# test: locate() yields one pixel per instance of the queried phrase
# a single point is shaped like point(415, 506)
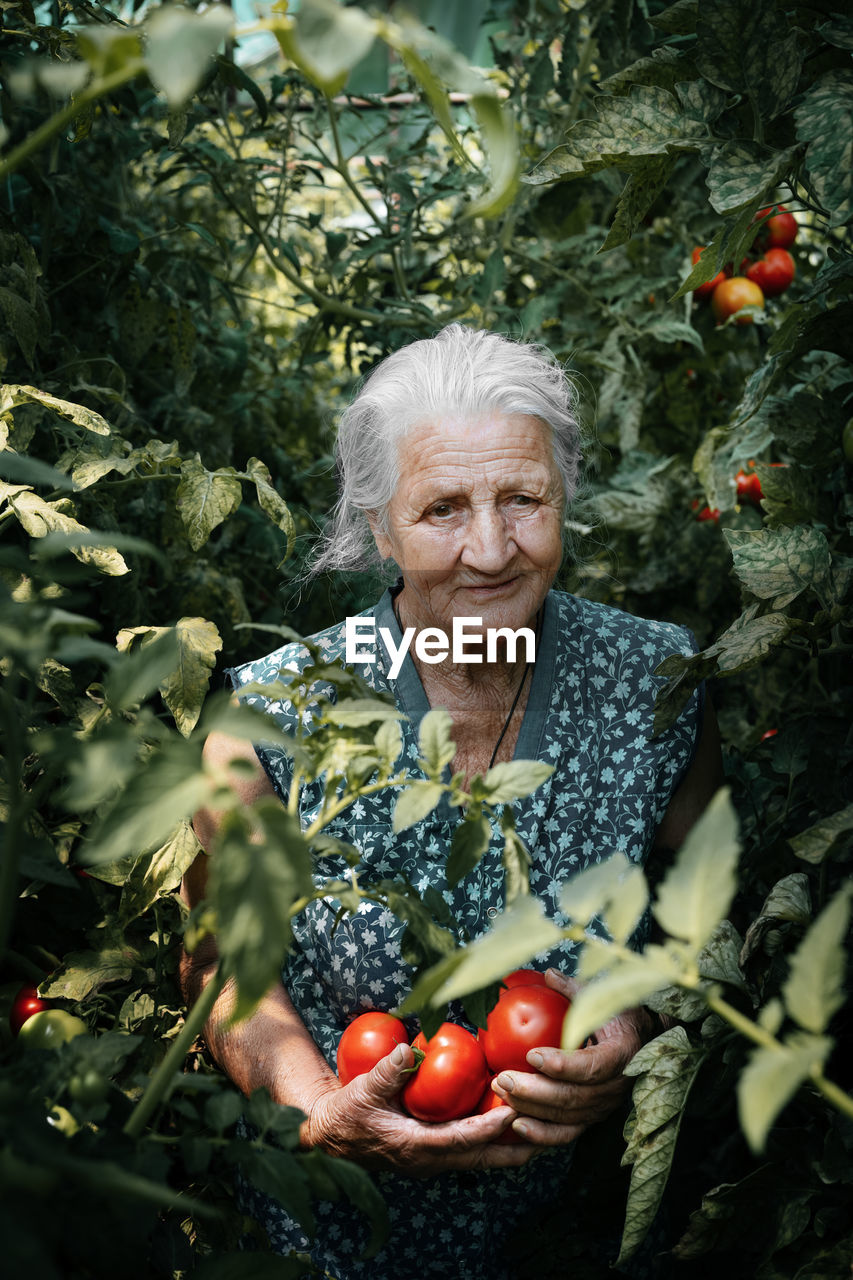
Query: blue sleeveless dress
point(589, 713)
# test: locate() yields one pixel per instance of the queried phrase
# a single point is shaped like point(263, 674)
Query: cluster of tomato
point(455, 1069)
point(747, 491)
point(766, 275)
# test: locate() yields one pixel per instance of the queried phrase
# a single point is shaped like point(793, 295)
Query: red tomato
point(26, 1003)
point(367, 1040)
point(705, 290)
point(451, 1077)
point(709, 513)
point(780, 230)
point(768, 733)
point(748, 487)
point(524, 978)
point(734, 294)
point(524, 1018)
point(773, 273)
point(489, 1102)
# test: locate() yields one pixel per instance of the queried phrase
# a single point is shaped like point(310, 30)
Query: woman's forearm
point(271, 1049)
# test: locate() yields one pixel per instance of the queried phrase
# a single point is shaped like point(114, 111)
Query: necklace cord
point(527, 667)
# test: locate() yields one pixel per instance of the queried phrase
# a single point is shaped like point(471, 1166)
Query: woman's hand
point(567, 1092)
point(365, 1122)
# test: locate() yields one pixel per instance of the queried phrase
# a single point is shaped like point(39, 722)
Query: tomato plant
point(773, 273)
point(367, 1040)
point(732, 295)
point(779, 231)
point(524, 1018)
point(705, 290)
point(450, 1078)
point(26, 1003)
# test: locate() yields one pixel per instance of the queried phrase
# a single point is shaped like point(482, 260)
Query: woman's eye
point(523, 500)
point(441, 509)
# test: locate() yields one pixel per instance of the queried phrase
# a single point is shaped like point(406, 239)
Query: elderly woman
point(457, 460)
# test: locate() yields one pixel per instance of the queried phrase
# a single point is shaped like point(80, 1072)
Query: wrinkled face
point(475, 521)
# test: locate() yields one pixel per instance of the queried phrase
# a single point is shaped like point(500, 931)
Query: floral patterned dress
point(589, 713)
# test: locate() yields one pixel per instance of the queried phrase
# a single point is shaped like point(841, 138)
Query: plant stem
point(839, 1099)
point(161, 1082)
point(56, 123)
point(833, 1094)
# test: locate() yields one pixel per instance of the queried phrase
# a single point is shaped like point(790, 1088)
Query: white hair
point(460, 372)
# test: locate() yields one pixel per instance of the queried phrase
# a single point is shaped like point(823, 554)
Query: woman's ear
point(380, 537)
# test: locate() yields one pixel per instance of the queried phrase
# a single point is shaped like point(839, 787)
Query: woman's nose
point(488, 544)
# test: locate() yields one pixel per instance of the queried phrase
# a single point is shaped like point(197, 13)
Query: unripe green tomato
point(847, 440)
point(50, 1029)
point(88, 1087)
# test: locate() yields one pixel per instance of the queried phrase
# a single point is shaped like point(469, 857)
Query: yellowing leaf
point(522, 932)
point(814, 989)
point(696, 892)
point(770, 1080)
point(40, 518)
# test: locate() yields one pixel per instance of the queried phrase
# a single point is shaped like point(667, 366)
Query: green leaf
point(435, 742)
point(326, 41)
point(649, 122)
point(779, 564)
point(664, 67)
point(519, 934)
point(180, 46)
point(771, 1078)
point(513, 779)
point(195, 643)
point(638, 195)
point(696, 892)
point(155, 874)
point(143, 667)
point(40, 518)
point(824, 120)
point(748, 640)
point(787, 902)
point(629, 982)
point(84, 972)
point(742, 47)
point(740, 172)
point(169, 787)
point(270, 502)
point(614, 888)
point(20, 467)
point(678, 19)
point(419, 798)
point(814, 989)
point(788, 494)
point(500, 142)
point(816, 843)
point(516, 864)
point(253, 885)
point(719, 959)
point(205, 499)
point(470, 841)
point(665, 1069)
point(354, 713)
point(13, 394)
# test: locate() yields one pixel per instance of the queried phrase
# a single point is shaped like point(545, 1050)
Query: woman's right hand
point(364, 1121)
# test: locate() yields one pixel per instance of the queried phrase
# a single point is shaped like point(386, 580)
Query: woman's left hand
point(564, 1093)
